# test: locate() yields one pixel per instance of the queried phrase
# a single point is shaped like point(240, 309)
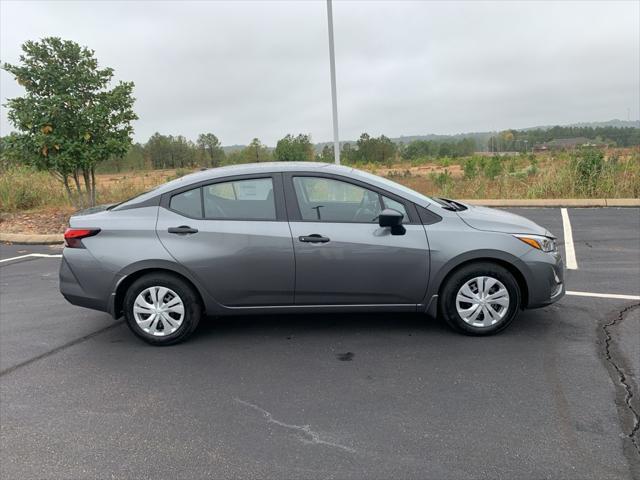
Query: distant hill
point(480, 137)
point(610, 123)
point(232, 148)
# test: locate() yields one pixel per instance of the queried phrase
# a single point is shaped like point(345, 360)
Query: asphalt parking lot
point(336, 396)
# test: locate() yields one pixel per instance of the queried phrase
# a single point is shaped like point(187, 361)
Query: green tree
point(294, 149)
point(378, 150)
point(347, 153)
point(210, 150)
point(256, 152)
point(167, 151)
point(327, 154)
point(69, 118)
point(13, 152)
point(418, 149)
point(158, 151)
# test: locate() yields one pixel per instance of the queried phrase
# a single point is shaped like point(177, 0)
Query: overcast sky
point(261, 69)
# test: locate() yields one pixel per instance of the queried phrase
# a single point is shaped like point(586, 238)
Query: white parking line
point(604, 295)
point(569, 249)
point(39, 255)
point(568, 292)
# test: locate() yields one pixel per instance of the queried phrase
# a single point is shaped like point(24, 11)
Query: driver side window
point(327, 200)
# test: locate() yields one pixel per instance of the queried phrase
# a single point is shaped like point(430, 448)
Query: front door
point(234, 238)
point(343, 257)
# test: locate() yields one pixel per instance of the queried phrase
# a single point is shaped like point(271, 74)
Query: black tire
point(190, 300)
point(466, 273)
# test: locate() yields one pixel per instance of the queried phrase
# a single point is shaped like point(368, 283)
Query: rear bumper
point(72, 290)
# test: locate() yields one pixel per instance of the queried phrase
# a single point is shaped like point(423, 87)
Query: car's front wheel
point(162, 309)
point(480, 299)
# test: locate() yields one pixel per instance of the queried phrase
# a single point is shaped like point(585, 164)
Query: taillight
point(72, 236)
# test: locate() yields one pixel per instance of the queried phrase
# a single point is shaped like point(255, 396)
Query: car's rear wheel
point(162, 309)
point(480, 299)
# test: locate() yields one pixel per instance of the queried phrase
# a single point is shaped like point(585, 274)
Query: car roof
point(273, 167)
point(264, 167)
point(249, 169)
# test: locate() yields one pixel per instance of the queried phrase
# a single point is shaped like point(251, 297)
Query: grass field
point(35, 201)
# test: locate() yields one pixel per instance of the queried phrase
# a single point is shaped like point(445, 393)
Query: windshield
point(395, 185)
point(164, 187)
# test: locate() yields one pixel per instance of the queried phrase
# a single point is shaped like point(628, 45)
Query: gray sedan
point(303, 237)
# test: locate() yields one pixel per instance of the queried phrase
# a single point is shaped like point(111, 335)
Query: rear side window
point(250, 199)
point(187, 203)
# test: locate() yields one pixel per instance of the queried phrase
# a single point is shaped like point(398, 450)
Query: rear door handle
point(182, 230)
point(313, 238)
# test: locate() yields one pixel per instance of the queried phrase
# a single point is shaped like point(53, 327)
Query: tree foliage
point(255, 152)
point(69, 120)
point(210, 149)
point(168, 151)
point(294, 149)
point(374, 149)
point(433, 148)
point(525, 140)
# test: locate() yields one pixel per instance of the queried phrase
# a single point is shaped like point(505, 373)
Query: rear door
point(232, 234)
point(343, 257)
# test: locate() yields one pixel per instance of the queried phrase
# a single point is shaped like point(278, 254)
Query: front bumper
point(546, 278)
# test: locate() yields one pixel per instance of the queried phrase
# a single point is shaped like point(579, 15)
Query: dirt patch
point(40, 222)
point(420, 171)
point(143, 179)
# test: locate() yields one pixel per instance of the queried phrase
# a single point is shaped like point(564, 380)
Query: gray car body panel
point(492, 220)
point(361, 264)
point(241, 267)
point(239, 263)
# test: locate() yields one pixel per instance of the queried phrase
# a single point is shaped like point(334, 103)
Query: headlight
point(546, 244)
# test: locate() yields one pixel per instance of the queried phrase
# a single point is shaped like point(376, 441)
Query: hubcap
point(158, 311)
point(482, 301)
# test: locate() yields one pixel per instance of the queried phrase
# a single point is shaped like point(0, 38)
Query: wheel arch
point(511, 263)
point(131, 274)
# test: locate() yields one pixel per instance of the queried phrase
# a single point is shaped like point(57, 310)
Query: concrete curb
point(556, 202)
point(623, 202)
point(28, 239)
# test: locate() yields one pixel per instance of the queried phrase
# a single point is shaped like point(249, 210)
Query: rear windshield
point(135, 200)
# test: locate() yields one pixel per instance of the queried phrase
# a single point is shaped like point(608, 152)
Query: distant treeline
point(523, 140)
point(169, 151)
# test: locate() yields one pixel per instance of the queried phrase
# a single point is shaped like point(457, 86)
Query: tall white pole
point(334, 98)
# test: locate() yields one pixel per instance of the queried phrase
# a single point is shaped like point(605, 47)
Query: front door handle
point(313, 238)
point(182, 230)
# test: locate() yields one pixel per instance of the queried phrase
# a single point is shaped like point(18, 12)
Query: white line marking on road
point(37, 255)
point(569, 250)
point(603, 295)
point(568, 292)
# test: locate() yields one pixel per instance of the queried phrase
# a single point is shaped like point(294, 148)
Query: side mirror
point(393, 219)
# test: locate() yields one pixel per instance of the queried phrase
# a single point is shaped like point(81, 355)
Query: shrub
point(181, 172)
point(470, 167)
point(445, 162)
point(493, 168)
point(24, 188)
point(588, 166)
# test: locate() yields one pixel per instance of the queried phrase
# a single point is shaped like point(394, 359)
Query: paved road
point(343, 396)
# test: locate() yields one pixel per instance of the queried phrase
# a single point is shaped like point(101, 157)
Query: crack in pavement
point(308, 436)
point(60, 348)
point(623, 379)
